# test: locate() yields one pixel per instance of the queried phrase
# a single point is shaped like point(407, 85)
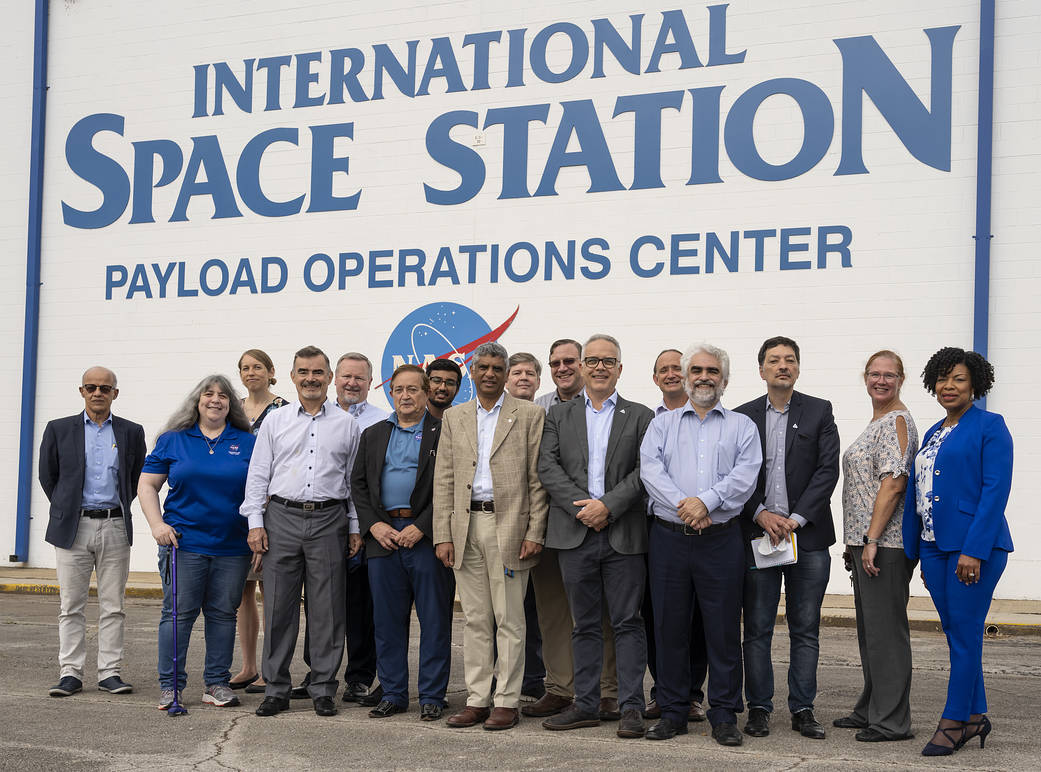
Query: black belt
point(482, 506)
point(307, 506)
point(686, 530)
point(99, 514)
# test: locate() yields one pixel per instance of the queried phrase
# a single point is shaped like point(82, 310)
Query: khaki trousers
point(556, 625)
point(493, 604)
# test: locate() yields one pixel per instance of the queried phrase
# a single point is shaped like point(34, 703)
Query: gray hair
point(491, 349)
point(707, 348)
point(355, 356)
point(523, 357)
point(601, 336)
point(187, 415)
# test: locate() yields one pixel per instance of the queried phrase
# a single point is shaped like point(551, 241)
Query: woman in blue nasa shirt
point(203, 453)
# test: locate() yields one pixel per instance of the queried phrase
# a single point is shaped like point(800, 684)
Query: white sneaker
point(166, 698)
point(220, 695)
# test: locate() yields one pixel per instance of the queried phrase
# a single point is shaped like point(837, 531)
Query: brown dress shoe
point(547, 705)
point(696, 713)
point(502, 718)
point(609, 709)
point(652, 710)
point(468, 716)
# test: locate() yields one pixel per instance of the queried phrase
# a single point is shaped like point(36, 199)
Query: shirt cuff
point(798, 518)
point(755, 517)
point(256, 520)
point(711, 500)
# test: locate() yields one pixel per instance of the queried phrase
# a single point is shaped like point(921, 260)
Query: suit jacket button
point(936, 498)
point(468, 486)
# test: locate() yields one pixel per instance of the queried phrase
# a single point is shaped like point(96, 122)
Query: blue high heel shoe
point(956, 734)
point(982, 727)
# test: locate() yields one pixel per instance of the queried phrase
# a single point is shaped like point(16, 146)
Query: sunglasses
point(90, 388)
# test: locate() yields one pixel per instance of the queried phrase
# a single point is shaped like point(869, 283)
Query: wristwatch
point(869, 540)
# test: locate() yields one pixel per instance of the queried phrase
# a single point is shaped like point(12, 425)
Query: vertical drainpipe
point(32, 287)
point(984, 170)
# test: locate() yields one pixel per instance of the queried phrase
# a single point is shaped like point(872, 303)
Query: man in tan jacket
point(489, 525)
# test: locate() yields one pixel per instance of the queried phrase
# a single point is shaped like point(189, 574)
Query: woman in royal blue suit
point(959, 489)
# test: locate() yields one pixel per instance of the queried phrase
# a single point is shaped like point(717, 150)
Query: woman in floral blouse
point(875, 472)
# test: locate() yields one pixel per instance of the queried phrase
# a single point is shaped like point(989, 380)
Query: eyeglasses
point(565, 362)
point(437, 381)
point(593, 362)
point(90, 388)
point(887, 377)
point(412, 391)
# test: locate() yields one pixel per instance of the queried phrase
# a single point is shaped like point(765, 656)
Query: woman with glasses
point(203, 453)
point(958, 492)
point(875, 469)
point(257, 372)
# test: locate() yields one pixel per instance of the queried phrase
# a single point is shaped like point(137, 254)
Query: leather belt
point(306, 506)
point(686, 530)
point(98, 514)
point(400, 513)
point(482, 506)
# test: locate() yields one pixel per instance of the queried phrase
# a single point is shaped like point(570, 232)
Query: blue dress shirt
point(598, 432)
point(100, 476)
point(716, 459)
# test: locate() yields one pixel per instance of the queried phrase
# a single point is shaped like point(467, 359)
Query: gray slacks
point(885, 641)
point(313, 544)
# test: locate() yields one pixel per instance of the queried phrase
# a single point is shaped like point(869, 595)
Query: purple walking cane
point(176, 708)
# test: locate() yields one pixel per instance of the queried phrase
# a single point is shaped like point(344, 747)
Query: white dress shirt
point(486, 423)
point(301, 457)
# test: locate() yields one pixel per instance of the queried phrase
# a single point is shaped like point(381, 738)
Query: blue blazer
point(972, 477)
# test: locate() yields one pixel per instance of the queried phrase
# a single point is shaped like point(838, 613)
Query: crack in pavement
point(218, 745)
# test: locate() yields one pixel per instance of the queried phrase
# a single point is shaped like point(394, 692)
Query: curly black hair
point(944, 360)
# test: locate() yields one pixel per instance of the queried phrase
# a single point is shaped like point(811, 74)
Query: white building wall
point(910, 286)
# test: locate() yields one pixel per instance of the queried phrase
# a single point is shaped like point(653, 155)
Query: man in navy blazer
point(589, 464)
point(393, 482)
point(89, 467)
point(800, 470)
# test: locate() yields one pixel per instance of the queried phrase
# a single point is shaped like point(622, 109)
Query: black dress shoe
point(805, 724)
point(324, 706)
point(665, 729)
point(849, 722)
point(869, 735)
point(272, 706)
point(758, 723)
point(428, 711)
point(300, 692)
point(386, 709)
point(115, 685)
point(727, 734)
point(353, 690)
point(373, 698)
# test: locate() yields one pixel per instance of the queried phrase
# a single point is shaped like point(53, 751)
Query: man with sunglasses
point(89, 467)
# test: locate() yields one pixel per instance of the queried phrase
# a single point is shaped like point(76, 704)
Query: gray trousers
point(596, 576)
point(313, 544)
point(885, 641)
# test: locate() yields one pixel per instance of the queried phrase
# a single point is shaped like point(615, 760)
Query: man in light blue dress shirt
point(699, 464)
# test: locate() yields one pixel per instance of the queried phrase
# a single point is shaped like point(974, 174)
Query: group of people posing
point(588, 537)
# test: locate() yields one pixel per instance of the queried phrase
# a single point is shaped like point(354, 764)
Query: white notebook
point(768, 555)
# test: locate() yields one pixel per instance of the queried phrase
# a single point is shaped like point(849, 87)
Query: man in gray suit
point(589, 464)
point(89, 467)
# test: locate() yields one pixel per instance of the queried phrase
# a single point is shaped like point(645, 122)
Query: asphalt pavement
point(94, 730)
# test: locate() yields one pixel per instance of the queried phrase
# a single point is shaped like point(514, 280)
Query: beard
point(706, 394)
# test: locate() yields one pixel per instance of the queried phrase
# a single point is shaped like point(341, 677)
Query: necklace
point(211, 444)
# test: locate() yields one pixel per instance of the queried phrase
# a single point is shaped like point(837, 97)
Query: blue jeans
point(963, 614)
point(804, 585)
point(214, 586)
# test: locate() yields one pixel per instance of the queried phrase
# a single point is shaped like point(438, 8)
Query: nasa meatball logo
point(439, 331)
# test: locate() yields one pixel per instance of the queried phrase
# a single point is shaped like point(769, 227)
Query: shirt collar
point(770, 406)
point(393, 420)
point(497, 405)
point(689, 408)
point(357, 408)
point(88, 420)
point(321, 410)
point(612, 400)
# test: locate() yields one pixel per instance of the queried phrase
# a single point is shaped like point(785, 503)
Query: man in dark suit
point(799, 473)
point(393, 482)
point(589, 464)
point(89, 467)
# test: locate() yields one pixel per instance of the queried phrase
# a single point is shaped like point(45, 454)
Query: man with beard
point(445, 376)
point(699, 464)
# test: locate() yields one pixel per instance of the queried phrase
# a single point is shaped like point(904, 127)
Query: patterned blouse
point(277, 402)
point(923, 479)
point(872, 456)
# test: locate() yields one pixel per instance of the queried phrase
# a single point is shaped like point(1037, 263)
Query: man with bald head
point(89, 467)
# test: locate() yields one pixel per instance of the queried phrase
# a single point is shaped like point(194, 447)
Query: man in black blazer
point(799, 473)
point(392, 483)
point(89, 467)
point(589, 463)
